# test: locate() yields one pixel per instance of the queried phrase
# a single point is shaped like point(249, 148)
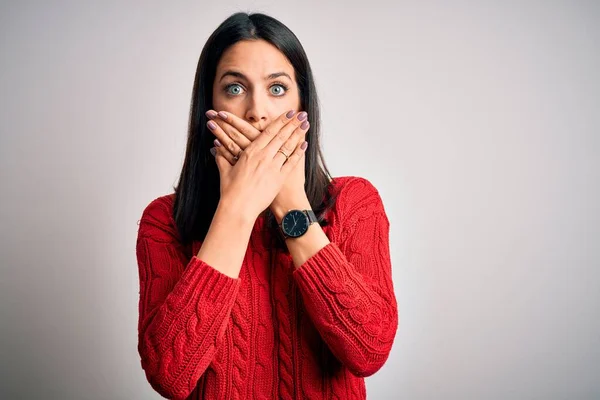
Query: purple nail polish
point(304, 145)
point(211, 125)
point(213, 151)
point(211, 114)
point(222, 115)
point(304, 125)
point(290, 114)
point(302, 116)
point(217, 143)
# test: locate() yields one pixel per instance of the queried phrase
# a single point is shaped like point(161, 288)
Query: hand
point(235, 134)
point(255, 179)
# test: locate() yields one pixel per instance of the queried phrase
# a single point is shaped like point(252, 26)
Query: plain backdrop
point(477, 121)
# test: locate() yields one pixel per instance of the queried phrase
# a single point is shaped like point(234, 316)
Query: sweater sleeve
point(347, 286)
point(184, 306)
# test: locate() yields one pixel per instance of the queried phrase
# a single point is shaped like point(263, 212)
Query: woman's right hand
point(252, 183)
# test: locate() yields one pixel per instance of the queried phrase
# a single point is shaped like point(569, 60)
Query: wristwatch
point(295, 223)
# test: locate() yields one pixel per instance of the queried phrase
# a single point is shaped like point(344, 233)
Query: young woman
point(260, 276)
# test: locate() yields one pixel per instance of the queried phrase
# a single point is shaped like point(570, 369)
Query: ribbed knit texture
point(276, 332)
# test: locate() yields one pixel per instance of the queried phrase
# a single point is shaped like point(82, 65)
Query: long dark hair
point(198, 191)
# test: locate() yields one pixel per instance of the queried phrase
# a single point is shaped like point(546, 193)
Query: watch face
point(294, 223)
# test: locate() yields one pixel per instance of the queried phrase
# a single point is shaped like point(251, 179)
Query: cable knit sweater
point(277, 331)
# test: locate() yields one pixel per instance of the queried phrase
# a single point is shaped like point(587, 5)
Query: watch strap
point(312, 218)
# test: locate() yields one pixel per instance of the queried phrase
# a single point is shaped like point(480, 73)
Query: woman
point(261, 277)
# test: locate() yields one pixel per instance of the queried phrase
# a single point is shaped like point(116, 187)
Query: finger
point(288, 148)
point(234, 134)
point(294, 159)
point(222, 163)
point(294, 130)
point(224, 140)
point(296, 139)
point(241, 126)
point(224, 152)
point(275, 127)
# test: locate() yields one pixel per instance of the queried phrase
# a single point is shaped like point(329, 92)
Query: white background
point(478, 123)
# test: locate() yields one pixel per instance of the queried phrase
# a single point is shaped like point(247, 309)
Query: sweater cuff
point(215, 286)
point(326, 267)
point(200, 284)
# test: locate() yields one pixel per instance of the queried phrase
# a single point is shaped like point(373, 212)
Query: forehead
point(254, 58)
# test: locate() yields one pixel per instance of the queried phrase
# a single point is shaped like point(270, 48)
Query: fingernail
point(302, 116)
point(217, 143)
point(213, 151)
point(290, 114)
point(211, 114)
point(304, 125)
point(222, 114)
point(211, 125)
point(304, 145)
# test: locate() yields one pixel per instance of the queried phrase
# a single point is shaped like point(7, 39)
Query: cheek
point(217, 99)
point(290, 103)
point(294, 102)
point(222, 103)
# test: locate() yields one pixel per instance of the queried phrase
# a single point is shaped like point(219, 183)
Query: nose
point(257, 111)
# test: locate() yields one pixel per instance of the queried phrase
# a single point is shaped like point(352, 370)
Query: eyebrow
point(242, 76)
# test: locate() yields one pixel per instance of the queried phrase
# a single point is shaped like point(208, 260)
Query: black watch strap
point(312, 218)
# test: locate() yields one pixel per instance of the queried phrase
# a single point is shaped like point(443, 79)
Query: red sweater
point(277, 331)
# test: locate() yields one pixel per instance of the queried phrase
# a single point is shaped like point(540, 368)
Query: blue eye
point(281, 91)
point(235, 89)
point(233, 85)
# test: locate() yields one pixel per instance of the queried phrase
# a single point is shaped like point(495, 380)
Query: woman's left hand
point(235, 134)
